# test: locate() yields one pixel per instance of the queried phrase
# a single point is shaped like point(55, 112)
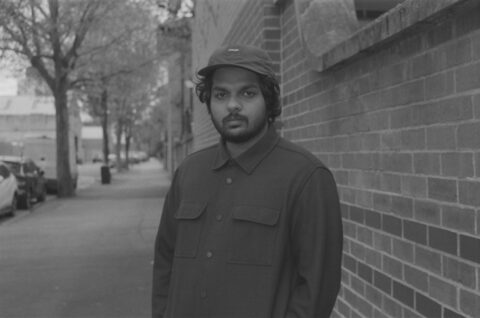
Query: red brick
point(413, 139)
point(380, 314)
point(477, 164)
point(357, 285)
point(468, 135)
point(373, 258)
point(439, 85)
point(402, 206)
point(412, 314)
point(467, 77)
point(392, 224)
point(461, 219)
point(443, 292)
point(415, 232)
point(373, 219)
point(459, 52)
point(444, 111)
point(443, 240)
point(373, 295)
point(427, 211)
point(457, 164)
point(447, 313)
point(416, 278)
point(392, 308)
point(392, 266)
point(342, 307)
point(428, 259)
point(470, 248)
point(469, 192)
point(426, 163)
point(358, 250)
point(382, 242)
point(441, 138)
point(403, 293)
point(440, 34)
point(397, 162)
point(382, 202)
point(467, 22)
point(476, 106)
point(365, 272)
point(458, 271)
point(365, 235)
point(414, 186)
point(427, 306)
point(403, 250)
point(382, 281)
point(470, 303)
point(390, 140)
point(390, 182)
point(442, 189)
point(422, 65)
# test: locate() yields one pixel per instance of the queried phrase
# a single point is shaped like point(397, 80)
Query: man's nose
point(233, 104)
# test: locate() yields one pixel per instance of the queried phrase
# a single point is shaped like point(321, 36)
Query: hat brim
point(209, 69)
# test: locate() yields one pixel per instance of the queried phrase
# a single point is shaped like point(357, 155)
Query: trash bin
point(105, 173)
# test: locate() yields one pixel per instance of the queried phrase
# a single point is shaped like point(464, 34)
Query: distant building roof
point(21, 105)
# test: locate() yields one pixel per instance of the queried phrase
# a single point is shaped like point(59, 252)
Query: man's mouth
point(234, 120)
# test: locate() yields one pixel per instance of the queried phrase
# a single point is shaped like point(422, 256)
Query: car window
point(4, 172)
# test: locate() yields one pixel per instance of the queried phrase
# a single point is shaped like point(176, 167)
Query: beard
point(252, 128)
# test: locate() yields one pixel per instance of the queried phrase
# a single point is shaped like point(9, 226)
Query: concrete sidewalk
point(86, 256)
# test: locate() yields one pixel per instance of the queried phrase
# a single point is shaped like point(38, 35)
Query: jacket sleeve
point(164, 252)
point(317, 242)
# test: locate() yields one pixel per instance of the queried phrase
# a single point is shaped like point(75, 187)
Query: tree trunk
point(118, 147)
point(128, 137)
point(104, 108)
point(65, 184)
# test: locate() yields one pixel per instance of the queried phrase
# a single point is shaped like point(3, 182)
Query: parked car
point(8, 190)
point(30, 179)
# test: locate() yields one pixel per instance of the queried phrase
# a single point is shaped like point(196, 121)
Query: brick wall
point(399, 125)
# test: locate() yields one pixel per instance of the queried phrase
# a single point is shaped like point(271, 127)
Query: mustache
point(234, 116)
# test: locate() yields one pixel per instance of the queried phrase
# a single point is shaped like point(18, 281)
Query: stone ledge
point(407, 16)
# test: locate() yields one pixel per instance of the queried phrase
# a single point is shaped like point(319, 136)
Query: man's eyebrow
point(243, 87)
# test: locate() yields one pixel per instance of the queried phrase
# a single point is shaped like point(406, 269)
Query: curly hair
point(269, 87)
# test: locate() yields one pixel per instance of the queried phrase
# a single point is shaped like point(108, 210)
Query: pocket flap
point(190, 211)
point(256, 214)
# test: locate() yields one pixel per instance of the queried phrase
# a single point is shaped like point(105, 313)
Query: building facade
point(393, 108)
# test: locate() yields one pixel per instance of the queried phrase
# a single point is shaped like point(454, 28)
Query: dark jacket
point(257, 236)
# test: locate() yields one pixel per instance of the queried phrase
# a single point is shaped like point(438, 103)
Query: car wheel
point(25, 202)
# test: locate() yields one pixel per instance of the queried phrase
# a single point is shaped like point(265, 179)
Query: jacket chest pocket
point(253, 235)
point(190, 226)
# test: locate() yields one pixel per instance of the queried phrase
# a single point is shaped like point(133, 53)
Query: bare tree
point(116, 75)
point(49, 34)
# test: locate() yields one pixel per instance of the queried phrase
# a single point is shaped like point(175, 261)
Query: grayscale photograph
point(239, 159)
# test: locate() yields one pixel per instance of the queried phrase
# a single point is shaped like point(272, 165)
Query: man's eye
point(219, 95)
point(249, 93)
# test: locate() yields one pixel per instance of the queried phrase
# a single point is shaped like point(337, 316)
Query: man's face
point(237, 105)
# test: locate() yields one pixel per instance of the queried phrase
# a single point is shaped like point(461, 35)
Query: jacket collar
point(252, 157)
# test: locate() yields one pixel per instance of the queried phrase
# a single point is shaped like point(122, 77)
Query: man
point(251, 227)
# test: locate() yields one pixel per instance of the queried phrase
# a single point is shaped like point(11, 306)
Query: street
point(87, 256)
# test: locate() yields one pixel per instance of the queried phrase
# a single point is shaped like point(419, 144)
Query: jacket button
point(229, 180)
point(209, 254)
point(219, 217)
point(203, 294)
